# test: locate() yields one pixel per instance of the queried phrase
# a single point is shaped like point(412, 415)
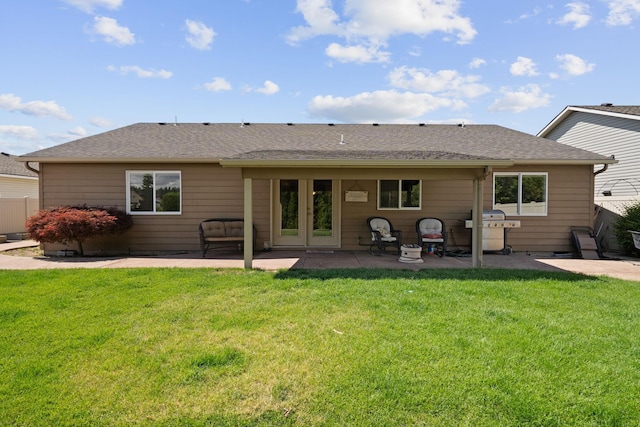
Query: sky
point(75, 68)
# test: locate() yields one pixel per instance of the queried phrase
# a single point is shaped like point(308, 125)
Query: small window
point(399, 194)
point(150, 192)
point(520, 193)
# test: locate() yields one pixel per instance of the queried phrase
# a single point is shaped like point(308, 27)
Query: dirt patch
point(32, 251)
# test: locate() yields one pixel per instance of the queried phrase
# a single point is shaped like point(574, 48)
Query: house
point(610, 130)
point(18, 194)
point(312, 186)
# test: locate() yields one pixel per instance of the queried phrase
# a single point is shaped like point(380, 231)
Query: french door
point(306, 212)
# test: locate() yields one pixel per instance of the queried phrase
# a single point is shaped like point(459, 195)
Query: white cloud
point(579, 15)
point(100, 122)
point(526, 98)
point(89, 5)
point(269, 88)
point(359, 54)
point(523, 67)
point(574, 65)
point(370, 23)
point(623, 12)
point(380, 106)
point(11, 102)
point(26, 133)
point(112, 32)
point(444, 82)
point(218, 84)
point(78, 131)
point(200, 36)
point(477, 63)
point(140, 72)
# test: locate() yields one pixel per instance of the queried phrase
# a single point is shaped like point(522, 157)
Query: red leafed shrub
point(76, 224)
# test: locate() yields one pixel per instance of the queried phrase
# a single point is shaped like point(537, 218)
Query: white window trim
point(399, 208)
point(520, 175)
point(152, 172)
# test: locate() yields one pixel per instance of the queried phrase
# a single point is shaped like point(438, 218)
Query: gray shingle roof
point(216, 141)
point(10, 166)
point(631, 110)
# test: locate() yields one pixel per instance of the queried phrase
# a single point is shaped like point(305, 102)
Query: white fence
point(14, 213)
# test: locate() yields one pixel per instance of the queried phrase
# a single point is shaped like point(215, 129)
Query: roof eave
point(549, 162)
point(570, 109)
point(117, 159)
point(341, 163)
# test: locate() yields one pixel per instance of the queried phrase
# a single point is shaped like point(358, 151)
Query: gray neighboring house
point(610, 130)
point(312, 186)
point(18, 194)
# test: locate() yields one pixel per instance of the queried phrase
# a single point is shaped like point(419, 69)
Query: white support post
point(248, 223)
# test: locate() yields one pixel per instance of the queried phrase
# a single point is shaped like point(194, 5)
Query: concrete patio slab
point(628, 269)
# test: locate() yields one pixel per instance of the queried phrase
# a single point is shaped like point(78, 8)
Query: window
point(399, 194)
point(154, 192)
point(520, 193)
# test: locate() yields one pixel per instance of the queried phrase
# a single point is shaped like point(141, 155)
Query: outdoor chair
point(382, 235)
point(432, 231)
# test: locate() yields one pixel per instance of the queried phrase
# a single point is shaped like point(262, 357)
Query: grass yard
point(201, 347)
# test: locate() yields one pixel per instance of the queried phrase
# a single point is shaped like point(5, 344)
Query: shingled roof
point(349, 143)
point(630, 110)
point(10, 166)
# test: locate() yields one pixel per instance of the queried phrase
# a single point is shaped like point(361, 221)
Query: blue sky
point(74, 68)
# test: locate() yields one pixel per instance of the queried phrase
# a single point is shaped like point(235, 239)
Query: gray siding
point(607, 136)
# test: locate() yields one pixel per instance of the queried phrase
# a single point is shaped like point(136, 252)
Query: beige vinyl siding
point(608, 136)
point(208, 191)
point(570, 203)
point(449, 200)
point(570, 198)
point(15, 187)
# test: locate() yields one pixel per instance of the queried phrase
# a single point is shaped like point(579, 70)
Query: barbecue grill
point(494, 231)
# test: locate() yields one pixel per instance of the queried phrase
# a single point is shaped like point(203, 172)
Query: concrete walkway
point(628, 269)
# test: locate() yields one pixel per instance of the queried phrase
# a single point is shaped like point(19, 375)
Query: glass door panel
point(322, 208)
point(289, 207)
point(323, 200)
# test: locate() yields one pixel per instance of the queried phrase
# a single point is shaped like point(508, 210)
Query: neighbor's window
point(399, 194)
point(520, 193)
point(152, 192)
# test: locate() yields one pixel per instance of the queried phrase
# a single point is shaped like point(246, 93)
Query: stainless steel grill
point(494, 230)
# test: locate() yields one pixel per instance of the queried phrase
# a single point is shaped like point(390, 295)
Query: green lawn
point(183, 347)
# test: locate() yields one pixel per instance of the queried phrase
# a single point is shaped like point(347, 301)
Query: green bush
point(630, 220)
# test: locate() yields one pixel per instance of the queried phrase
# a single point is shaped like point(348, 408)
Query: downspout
point(605, 167)
point(29, 167)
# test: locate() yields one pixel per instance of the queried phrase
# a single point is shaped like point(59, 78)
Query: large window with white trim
point(399, 194)
point(521, 193)
point(154, 192)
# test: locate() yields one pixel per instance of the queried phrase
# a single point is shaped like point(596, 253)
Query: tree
point(76, 224)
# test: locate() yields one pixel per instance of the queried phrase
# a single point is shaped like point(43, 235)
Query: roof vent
point(375, 124)
point(461, 125)
point(289, 124)
point(342, 140)
point(330, 124)
point(606, 104)
point(5, 154)
point(206, 123)
point(162, 123)
point(422, 125)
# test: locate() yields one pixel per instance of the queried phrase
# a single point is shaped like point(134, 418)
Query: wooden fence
point(14, 213)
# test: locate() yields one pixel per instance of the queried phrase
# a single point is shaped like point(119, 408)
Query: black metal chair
point(382, 235)
point(432, 231)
